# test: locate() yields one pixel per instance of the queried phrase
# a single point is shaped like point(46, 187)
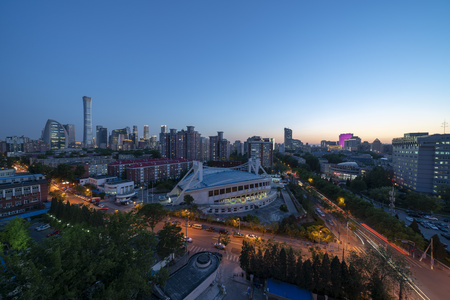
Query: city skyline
point(377, 70)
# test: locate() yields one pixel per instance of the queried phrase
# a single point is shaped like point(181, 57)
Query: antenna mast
point(444, 125)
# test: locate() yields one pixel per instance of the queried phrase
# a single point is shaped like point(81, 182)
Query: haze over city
point(376, 69)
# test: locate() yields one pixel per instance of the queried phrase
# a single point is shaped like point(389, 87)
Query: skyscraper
point(70, 128)
point(87, 132)
point(101, 137)
point(287, 139)
point(55, 135)
point(146, 133)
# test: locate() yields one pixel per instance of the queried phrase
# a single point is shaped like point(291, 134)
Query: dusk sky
point(377, 69)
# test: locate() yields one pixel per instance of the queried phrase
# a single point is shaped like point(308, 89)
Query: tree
point(291, 266)
point(358, 185)
point(414, 226)
point(224, 238)
point(438, 248)
point(94, 264)
point(307, 272)
point(170, 240)
point(325, 275)
point(298, 272)
point(152, 214)
point(244, 257)
point(188, 199)
point(335, 277)
point(16, 234)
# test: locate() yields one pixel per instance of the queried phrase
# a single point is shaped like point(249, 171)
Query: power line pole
point(444, 124)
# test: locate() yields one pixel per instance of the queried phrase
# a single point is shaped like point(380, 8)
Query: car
point(188, 239)
point(431, 218)
point(219, 246)
point(238, 235)
point(442, 228)
point(331, 222)
point(447, 236)
point(223, 231)
point(409, 219)
point(251, 236)
point(54, 233)
point(42, 227)
point(446, 220)
point(211, 229)
point(433, 226)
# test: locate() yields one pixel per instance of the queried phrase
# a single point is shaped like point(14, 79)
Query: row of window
point(242, 198)
point(237, 209)
point(17, 203)
point(237, 188)
point(13, 212)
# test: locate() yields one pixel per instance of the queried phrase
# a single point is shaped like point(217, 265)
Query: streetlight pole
point(320, 233)
point(239, 223)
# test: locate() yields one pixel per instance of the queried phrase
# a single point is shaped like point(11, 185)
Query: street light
point(239, 224)
point(320, 233)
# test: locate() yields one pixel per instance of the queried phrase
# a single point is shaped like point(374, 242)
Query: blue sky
point(377, 69)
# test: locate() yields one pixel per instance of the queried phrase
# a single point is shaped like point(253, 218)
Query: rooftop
point(217, 177)
point(183, 281)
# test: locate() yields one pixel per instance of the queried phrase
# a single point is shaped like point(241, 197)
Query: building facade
point(343, 137)
point(87, 117)
point(421, 162)
point(155, 170)
point(287, 139)
point(55, 135)
point(70, 128)
point(21, 193)
point(218, 147)
point(262, 149)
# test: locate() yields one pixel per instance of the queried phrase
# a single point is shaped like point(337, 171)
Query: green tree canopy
point(170, 240)
point(152, 214)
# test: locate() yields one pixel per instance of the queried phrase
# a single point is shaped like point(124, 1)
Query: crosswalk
point(227, 256)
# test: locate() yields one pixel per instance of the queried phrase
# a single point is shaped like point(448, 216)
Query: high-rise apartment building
point(261, 148)
point(238, 147)
point(55, 135)
point(421, 161)
point(218, 147)
point(87, 131)
point(101, 137)
point(146, 133)
point(15, 144)
point(287, 139)
point(204, 148)
point(181, 145)
point(70, 128)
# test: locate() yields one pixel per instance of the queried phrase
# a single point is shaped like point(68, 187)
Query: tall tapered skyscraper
point(87, 132)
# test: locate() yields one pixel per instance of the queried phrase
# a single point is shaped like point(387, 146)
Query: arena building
point(225, 190)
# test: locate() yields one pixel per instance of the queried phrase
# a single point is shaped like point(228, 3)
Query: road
point(425, 283)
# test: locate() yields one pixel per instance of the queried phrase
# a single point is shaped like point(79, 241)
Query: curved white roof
point(348, 164)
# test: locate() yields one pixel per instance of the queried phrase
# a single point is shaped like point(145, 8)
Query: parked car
point(331, 222)
point(409, 219)
point(211, 229)
point(219, 246)
point(433, 227)
point(447, 236)
point(42, 227)
point(188, 239)
point(54, 233)
point(224, 231)
point(431, 218)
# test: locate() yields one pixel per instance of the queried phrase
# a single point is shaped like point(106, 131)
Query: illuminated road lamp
point(341, 201)
point(310, 180)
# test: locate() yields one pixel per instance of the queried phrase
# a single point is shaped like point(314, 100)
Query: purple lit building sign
point(343, 137)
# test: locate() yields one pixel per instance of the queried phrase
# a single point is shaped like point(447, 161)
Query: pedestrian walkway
point(227, 256)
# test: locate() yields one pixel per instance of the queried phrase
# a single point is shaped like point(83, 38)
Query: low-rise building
point(20, 193)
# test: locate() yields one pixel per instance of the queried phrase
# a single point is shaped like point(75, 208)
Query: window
point(222, 191)
point(235, 189)
point(246, 187)
point(216, 192)
point(252, 186)
point(228, 190)
point(241, 187)
point(18, 203)
point(211, 193)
